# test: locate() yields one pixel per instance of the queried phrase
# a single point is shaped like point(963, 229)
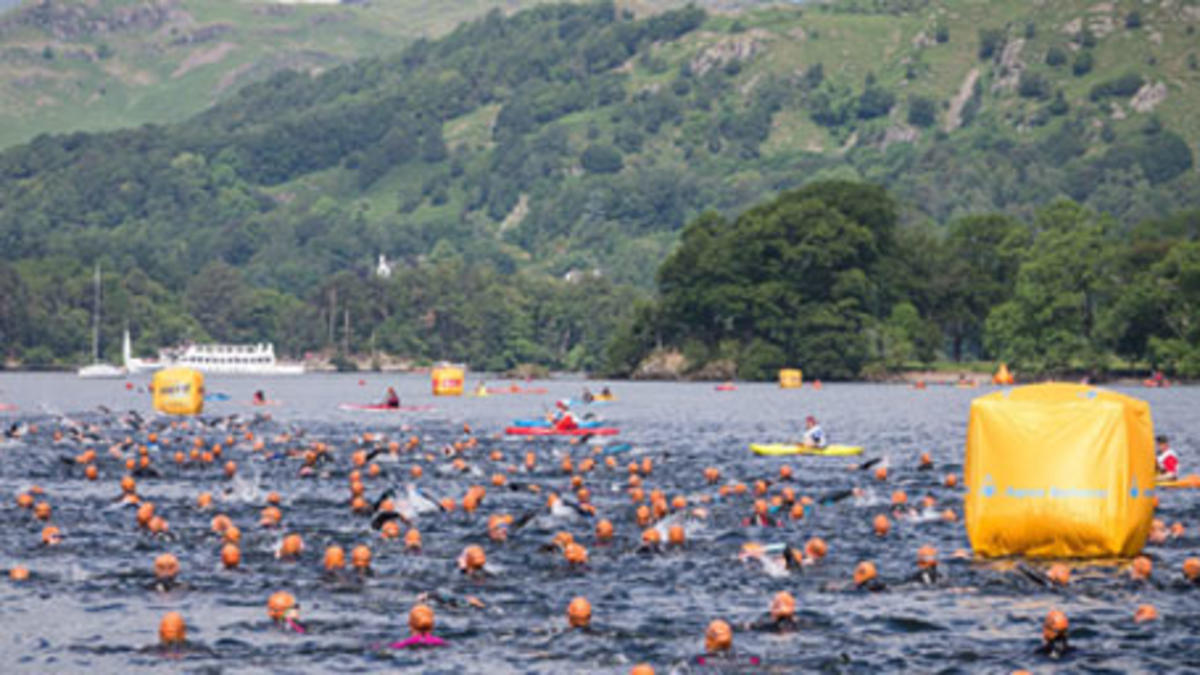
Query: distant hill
point(576, 140)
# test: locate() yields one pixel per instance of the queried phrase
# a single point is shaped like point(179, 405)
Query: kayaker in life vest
point(565, 420)
point(1166, 459)
point(260, 398)
point(814, 436)
point(393, 399)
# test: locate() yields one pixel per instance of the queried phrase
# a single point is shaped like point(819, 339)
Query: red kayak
point(550, 431)
point(379, 407)
point(726, 387)
point(516, 390)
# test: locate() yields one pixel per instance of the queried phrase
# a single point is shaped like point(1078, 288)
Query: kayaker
point(606, 393)
point(392, 400)
point(814, 436)
point(587, 395)
point(260, 398)
point(1166, 459)
point(565, 420)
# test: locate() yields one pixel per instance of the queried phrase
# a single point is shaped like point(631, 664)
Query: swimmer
point(927, 566)
point(1054, 636)
point(283, 609)
point(780, 617)
point(761, 516)
point(867, 579)
point(420, 622)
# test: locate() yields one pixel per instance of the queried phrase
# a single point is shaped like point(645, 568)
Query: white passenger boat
point(256, 359)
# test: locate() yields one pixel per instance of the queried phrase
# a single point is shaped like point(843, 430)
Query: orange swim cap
point(51, 535)
point(718, 637)
point(158, 525)
point(899, 497)
point(604, 530)
point(412, 539)
point(785, 472)
point(882, 525)
point(712, 474)
point(273, 498)
point(579, 612)
point(271, 516)
point(1054, 625)
point(783, 606)
point(1141, 567)
point(926, 460)
point(647, 465)
point(230, 468)
point(360, 557)
point(91, 472)
point(1191, 569)
point(926, 557)
point(643, 515)
point(642, 669)
point(220, 522)
point(25, 500)
point(472, 559)
point(498, 479)
point(204, 501)
point(172, 630)
point(279, 604)
point(651, 537)
point(144, 513)
point(575, 554)
point(291, 546)
point(232, 534)
point(675, 535)
point(881, 473)
point(42, 511)
point(636, 494)
point(335, 558)
point(1145, 613)
point(18, 573)
point(231, 556)
point(166, 567)
point(949, 515)
point(864, 572)
point(420, 620)
point(390, 530)
point(1059, 574)
point(797, 511)
point(951, 480)
point(816, 548)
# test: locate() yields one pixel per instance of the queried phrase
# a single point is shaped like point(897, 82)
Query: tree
point(1050, 323)
point(922, 111)
point(991, 41)
point(1082, 65)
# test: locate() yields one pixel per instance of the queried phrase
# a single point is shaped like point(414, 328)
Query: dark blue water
point(91, 602)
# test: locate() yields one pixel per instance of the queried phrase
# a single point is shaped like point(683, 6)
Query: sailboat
point(98, 369)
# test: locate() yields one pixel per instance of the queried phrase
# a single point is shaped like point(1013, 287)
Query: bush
point(1082, 65)
point(991, 41)
point(599, 158)
point(1056, 56)
point(1133, 20)
point(1033, 85)
point(875, 102)
point(1125, 85)
point(922, 111)
point(1058, 106)
point(942, 33)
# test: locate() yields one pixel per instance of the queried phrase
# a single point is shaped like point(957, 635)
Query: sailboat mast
point(96, 317)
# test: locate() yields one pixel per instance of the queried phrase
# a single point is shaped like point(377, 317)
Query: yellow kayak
point(1192, 481)
point(773, 449)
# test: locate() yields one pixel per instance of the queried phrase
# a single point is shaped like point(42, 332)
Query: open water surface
point(91, 602)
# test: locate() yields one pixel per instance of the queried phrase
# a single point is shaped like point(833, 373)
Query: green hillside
point(577, 140)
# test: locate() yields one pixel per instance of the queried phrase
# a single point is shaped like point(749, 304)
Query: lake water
point(91, 605)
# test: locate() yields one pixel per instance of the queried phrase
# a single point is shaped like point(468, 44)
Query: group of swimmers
point(663, 524)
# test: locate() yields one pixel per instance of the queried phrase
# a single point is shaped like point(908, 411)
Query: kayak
point(494, 391)
point(217, 396)
point(379, 407)
point(1192, 481)
point(543, 424)
point(601, 398)
point(539, 431)
point(772, 449)
point(726, 387)
point(7, 407)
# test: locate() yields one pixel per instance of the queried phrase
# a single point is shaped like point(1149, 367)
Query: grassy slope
point(150, 78)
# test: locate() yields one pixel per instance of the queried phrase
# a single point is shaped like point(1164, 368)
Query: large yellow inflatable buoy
point(791, 378)
point(179, 391)
point(1059, 471)
point(448, 380)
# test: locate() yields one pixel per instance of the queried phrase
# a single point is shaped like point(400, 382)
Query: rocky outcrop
point(72, 20)
point(662, 364)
